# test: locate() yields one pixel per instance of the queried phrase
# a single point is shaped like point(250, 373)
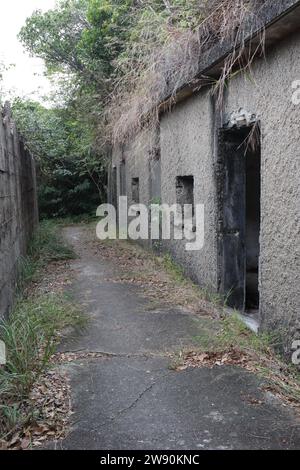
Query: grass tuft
point(31, 334)
point(233, 342)
point(33, 329)
point(46, 246)
point(173, 269)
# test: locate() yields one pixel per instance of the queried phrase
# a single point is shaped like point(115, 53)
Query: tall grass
point(30, 335)
point(46, 246)
point(80, 219)
point(33, 329)
point(233, 336)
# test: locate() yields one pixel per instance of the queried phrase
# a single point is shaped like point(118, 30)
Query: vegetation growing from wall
point(173, 61)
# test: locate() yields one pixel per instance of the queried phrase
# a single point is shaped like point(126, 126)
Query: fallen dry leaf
point(25, 443)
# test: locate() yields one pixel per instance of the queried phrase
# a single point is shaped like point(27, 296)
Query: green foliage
point(173, 268)
point(71, 176)
point(47, 245)
point(30, 334)
point(97, 41)
point(54, 35)
point(233, 333)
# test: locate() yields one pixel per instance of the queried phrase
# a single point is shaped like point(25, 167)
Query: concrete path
point(131, 399)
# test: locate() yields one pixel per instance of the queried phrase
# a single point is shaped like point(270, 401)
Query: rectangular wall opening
point(185, 191)
point(123, 178)
point(240, 193)
point(135, 190)
point(114, 187)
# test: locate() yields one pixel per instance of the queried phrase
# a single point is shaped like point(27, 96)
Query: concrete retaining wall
point(18, 206)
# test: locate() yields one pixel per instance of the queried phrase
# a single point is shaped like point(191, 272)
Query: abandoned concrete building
point(250, 191)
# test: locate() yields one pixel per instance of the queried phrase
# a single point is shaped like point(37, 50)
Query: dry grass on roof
point(137, 97)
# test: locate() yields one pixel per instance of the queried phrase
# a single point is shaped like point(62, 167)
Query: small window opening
point(135, 189)
point(122, 178)
point(185, 191)
point(114, 189)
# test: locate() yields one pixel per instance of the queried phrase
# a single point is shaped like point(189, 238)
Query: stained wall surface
point(18, 206)
point(187, 145)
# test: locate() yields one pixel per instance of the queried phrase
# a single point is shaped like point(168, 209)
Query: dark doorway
point(135, 190)
point(123, 178)
point(239, 188)
point(114, 188)
point(185, 191)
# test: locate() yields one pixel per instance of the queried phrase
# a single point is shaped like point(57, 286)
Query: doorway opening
point(240, 197)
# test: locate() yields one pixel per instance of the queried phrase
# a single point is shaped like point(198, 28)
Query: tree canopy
point(71, 175)
point(99, 40)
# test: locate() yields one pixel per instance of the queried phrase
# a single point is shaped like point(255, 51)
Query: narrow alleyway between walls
point(126, 392)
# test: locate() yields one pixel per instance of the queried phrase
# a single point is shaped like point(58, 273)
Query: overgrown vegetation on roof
point(154, 77)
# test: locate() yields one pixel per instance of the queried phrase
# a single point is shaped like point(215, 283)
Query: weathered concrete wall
point(187, 149)
point(18, 206)
point(189, 146)
point(138, 159)
point(269, 95)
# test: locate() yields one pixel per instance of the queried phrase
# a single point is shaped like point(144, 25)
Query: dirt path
point(129, 397)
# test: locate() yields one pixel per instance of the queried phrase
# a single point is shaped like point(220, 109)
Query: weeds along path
point(139, 377)
point(34, 396)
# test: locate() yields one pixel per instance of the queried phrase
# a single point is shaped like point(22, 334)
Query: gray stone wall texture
point(187, 144)
point(186, 149)
point(139, 159)
point(18, 206)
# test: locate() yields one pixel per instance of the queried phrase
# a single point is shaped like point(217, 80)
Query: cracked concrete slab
point(126, 403)
point(133, 400)
point(122, 319)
